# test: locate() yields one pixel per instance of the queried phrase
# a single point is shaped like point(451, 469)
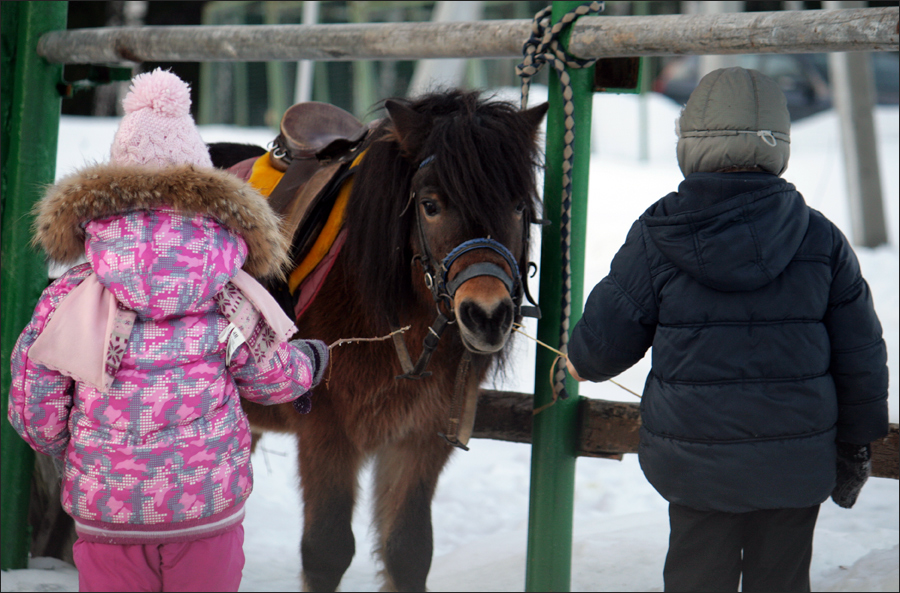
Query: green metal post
point(549, 557)
point(30, 128)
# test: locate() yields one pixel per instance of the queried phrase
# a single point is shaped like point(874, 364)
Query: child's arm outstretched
point(40, 398)
point(619, 319)
point(291, 372)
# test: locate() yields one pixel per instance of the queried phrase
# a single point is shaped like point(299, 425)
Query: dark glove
point(317, 353)
point(854, 466)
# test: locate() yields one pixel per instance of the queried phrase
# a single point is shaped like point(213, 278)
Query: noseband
point(442, 288)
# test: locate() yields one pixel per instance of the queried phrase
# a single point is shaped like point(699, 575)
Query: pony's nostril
point(504, 317)
point(471, 315)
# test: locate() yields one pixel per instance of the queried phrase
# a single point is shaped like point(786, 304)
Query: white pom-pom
point(161, 91)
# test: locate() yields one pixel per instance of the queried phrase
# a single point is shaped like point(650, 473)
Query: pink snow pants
point(209, 564)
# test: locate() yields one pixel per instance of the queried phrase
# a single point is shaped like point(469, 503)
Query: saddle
point(315, 139)
point(302, 175)
point(314, 130)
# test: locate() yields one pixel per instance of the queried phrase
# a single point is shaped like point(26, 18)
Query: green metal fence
point(30, 127)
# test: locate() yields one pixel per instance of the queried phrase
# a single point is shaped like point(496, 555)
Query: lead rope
point(561, 357)
point(543, 47)
point(393, 335)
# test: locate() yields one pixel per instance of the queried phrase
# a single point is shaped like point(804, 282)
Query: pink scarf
point(88, 333)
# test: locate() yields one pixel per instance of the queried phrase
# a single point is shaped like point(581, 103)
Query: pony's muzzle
point(485, 313)
point(485, 290)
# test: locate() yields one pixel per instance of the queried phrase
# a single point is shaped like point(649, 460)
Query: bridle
point(443, 290)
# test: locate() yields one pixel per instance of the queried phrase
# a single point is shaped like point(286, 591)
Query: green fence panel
point(30, 123)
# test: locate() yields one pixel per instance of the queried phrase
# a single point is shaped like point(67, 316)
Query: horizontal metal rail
point(806, 31)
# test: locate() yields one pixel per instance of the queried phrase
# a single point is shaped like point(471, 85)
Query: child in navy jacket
point(769, 377)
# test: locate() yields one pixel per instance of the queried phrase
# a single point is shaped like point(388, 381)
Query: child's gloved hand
point(317, 352)
point(854, 465)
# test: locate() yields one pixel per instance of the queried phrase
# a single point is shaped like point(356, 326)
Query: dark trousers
point(711, 551)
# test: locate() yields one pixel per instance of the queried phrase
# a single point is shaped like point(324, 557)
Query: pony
point(437, 227)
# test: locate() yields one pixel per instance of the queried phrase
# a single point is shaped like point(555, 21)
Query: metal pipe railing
point(551, 500)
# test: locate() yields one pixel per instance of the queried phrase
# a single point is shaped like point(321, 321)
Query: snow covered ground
point(620, 524)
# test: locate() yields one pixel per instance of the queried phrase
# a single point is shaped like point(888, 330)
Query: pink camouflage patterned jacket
point(155, 445)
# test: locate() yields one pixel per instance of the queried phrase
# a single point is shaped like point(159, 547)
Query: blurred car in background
point(802, 77)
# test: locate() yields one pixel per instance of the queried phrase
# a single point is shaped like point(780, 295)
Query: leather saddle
point(316, 139)
point(314, 130)
point(313, 152)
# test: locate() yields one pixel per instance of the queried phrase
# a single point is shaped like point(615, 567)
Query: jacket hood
point(163, 264)
point(102, 191)
point(734, 118)
point(730, 231)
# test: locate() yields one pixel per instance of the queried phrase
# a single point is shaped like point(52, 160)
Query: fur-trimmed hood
point(104, 190)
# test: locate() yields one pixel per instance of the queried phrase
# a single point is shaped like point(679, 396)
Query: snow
point(480, 509)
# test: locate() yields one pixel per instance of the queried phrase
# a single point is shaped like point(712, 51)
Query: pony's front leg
point(406, 473)
point(328, 479)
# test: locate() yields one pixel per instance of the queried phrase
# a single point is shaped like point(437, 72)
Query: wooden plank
point(885, 460)
point(785, 31)
point(503, 416)
point(610, 429)
point(804, 31)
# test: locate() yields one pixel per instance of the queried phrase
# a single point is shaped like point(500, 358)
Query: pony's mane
point(485, 159)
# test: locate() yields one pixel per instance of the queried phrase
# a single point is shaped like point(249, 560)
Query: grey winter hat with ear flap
point(734, 118)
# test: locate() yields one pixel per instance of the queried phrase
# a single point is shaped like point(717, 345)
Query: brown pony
point(437, 172)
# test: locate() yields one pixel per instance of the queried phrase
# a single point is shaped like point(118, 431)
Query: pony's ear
point(535, 115)
point(412, 127)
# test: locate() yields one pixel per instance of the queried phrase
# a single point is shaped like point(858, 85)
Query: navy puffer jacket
point(766, 345)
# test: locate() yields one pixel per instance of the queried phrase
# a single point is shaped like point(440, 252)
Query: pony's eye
point(520, 207)
point(430, 207)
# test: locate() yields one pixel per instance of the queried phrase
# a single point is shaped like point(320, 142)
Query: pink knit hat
point(158, 130)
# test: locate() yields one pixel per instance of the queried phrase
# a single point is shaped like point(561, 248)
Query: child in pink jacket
point(130, 371)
